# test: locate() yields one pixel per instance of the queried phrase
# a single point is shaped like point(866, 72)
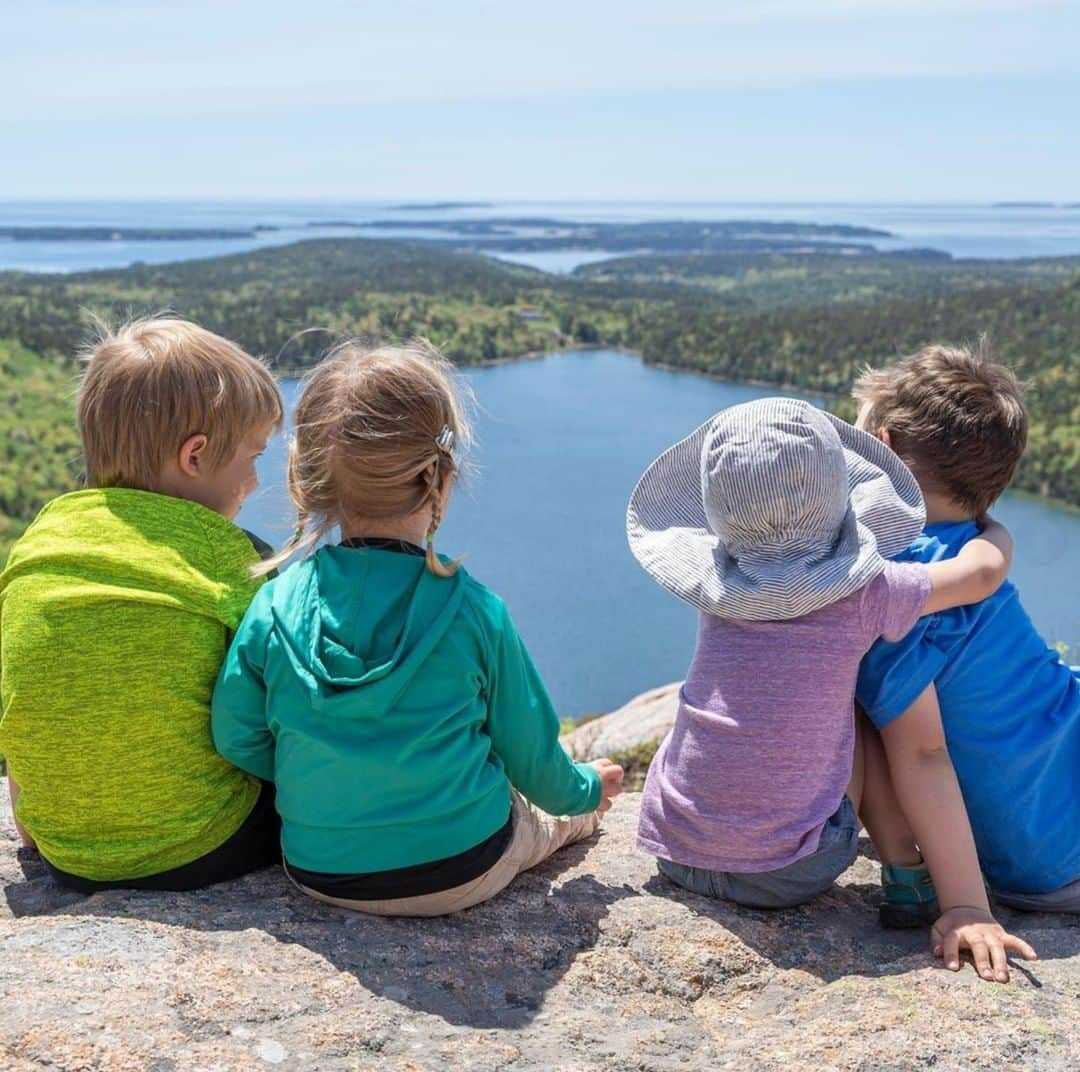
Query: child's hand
point(611, 776)
point(982, 935)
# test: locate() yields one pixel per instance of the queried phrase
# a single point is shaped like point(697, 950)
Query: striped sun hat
point(771, 510)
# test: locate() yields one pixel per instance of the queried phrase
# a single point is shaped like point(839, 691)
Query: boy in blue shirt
point(1009, 706)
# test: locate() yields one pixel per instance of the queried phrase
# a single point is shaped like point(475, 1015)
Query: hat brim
point(669, 535)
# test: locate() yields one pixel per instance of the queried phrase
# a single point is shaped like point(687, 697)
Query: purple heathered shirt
point(761, 751)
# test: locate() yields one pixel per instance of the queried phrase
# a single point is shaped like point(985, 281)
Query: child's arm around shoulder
point(975, 574)
point(928, 791)
point(238, 710)
point(524, 730)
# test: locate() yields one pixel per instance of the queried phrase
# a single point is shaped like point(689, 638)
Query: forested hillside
point(475, 308)
point(767, 280)
point(822, 348)
point(39, 447)
point(805, 321)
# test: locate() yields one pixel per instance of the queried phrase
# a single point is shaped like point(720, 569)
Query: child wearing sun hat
point(776, 521)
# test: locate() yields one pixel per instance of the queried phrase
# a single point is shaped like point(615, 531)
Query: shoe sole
point(907, 917)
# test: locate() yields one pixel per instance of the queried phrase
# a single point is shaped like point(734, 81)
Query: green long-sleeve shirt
point(116, 608)
point(393, 709)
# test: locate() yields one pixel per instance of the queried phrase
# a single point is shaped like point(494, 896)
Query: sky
point(746, 100)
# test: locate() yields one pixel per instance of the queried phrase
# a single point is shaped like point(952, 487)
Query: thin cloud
point(863, 9)
point(116, 60)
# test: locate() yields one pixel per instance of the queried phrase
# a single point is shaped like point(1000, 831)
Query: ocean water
point(964, 230)
point(561, 441)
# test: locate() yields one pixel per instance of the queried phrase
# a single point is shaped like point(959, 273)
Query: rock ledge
point(590, 962)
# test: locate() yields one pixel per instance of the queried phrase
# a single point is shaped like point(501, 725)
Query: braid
point(298, 533)
point(434, 479)
point(301, 539)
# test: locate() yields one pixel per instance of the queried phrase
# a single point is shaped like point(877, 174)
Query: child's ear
point(190, 458)
point(883, 435)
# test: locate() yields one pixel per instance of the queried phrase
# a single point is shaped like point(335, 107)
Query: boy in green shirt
point(116, 609)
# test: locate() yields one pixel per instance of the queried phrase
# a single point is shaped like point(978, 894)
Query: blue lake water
point(561, 442)
point(964, 230)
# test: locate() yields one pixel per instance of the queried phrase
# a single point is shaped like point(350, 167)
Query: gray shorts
point(788, 886)
point(1067, 899)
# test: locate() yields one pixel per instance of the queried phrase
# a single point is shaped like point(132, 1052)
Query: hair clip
point(445, 440)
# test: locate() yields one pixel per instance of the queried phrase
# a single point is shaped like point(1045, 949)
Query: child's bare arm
point(929, 793)
point(24, 837)
point(976, 573)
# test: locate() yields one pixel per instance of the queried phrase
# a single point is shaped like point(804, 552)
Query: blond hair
point(956, 418)
point(152, 384)
point(380, 432)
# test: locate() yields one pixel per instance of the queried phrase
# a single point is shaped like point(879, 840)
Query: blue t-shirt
point(1011, 712)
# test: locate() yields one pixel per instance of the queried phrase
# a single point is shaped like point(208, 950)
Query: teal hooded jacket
point(393, 709)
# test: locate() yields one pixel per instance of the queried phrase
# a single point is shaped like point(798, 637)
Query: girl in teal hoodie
point(385, 691)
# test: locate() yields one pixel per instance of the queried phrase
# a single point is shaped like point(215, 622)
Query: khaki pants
point(536, 836)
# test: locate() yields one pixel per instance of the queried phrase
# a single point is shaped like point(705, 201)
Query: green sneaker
point(910, 898)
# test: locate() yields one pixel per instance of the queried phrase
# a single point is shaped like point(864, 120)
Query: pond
point(561, 441)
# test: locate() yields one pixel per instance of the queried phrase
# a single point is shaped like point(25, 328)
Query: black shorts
point(255, 845)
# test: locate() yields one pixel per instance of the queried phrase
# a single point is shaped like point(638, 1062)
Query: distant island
point(127, 234)
point(1028, 204)
point(530, 234)
point(440, 206)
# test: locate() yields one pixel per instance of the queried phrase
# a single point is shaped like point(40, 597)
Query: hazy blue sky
point(763, 99)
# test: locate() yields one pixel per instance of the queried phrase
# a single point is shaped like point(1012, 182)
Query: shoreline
point(663, 366)
point(788, 388)
point(296, 372)
point(293, 372)
point(289, 372)
point(557, 351)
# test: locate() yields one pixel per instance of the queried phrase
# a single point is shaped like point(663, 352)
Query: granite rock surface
point(643, 721)
point(590, 962)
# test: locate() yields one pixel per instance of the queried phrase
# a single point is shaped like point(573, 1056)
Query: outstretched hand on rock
point(988, 942)
point(611, 778)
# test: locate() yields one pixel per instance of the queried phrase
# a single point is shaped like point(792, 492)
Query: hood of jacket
point(358, 623)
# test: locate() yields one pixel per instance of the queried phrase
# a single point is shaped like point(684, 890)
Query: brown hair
point(954, 416)
point(379, 434)
point(155, 382)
